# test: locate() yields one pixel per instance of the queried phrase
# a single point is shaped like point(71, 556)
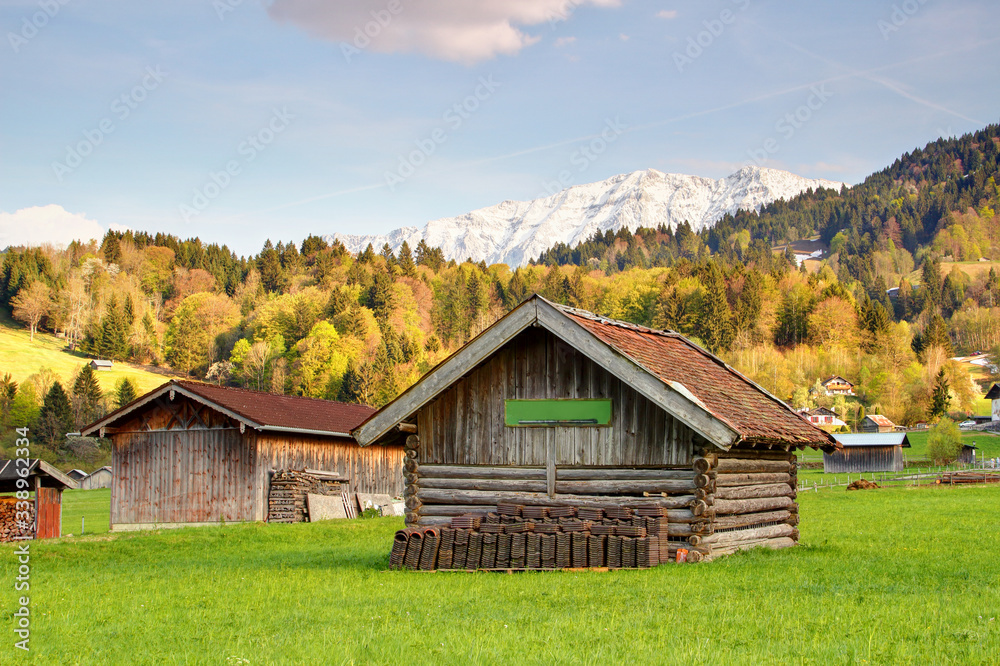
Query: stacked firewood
point(540, 537)
point(9, 530)
point(286, 500)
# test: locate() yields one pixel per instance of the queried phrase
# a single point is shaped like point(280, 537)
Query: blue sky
point(238, 121)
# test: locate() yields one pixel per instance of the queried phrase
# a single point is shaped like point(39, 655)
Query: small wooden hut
point(877, 423)
point(557, 407)
point(867, 452)
point(192, 453)
point(47, 484)
point(100, 478)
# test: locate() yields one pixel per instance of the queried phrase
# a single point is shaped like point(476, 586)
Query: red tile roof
point(258, 409)
point(729, 396)
point(283, 411)
point(882, 421)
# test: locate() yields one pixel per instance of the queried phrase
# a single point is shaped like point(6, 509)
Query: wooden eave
point(673, 398)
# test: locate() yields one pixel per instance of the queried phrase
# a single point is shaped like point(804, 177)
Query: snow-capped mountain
point(514, 232)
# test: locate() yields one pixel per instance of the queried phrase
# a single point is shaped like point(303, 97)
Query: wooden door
point(48, 513)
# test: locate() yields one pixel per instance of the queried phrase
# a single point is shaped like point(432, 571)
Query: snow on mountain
point(514, 232)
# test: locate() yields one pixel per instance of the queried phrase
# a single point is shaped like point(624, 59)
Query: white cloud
point(564, 41)
point(622, 36)
point(667, 14)
point(455, 30)
point(46, 224)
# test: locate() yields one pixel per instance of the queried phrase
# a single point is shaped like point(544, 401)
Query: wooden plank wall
point(864, 459)
point(371, 469)
point(179, 476)
point(465, 424)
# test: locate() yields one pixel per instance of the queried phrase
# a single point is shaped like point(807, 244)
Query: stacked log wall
point(750, 503)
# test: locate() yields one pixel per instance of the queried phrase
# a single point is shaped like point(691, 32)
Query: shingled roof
point(685, 380)
point(262, 411)
point(728, 395)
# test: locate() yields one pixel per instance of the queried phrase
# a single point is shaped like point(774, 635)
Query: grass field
point(894, 576)
point(22, 358)
point(94, 505)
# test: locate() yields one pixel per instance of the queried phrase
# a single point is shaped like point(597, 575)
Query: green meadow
point(23, 357)
point(903, 575)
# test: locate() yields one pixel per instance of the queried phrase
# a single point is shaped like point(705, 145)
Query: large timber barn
point(557, 407)
point(193, 453)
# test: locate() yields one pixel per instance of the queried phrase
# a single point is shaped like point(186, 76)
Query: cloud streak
point(453, 30)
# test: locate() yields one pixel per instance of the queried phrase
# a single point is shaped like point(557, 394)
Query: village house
point(192, 453)
point(557, 409)
point(994, 395)
point(823, 417)
point(867, 452)
point(838, 386)
point(876, 423)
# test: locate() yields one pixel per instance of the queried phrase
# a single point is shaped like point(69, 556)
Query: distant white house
point(97, 364)
point(994, 395)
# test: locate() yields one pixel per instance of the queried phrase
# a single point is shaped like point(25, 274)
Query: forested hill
point(936, 198)
point(313, 319)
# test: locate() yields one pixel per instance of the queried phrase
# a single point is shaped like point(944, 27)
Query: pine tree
point(381, 297)
point(406, 264)
point(56, 416)
point(125, 392)
point(940, 398)
point(113, 339)
point(87, 396)
point(714, 324)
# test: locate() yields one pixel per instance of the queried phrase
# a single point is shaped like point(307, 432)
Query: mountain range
point(515, 232)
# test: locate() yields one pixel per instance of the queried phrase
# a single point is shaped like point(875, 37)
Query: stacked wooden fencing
point(286, 499)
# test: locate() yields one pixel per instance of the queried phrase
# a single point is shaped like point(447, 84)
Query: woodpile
point(286, 499)
point(862, 484)
point(969, 477)
point(516, 537)
point(8, 520)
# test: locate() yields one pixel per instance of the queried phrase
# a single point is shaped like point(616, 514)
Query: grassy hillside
point(22, 357)
point(881, 577)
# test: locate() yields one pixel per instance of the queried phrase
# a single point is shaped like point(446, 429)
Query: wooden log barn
point(192, 453)
point(556, 407)
point(867, 452)
point(47, 485)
